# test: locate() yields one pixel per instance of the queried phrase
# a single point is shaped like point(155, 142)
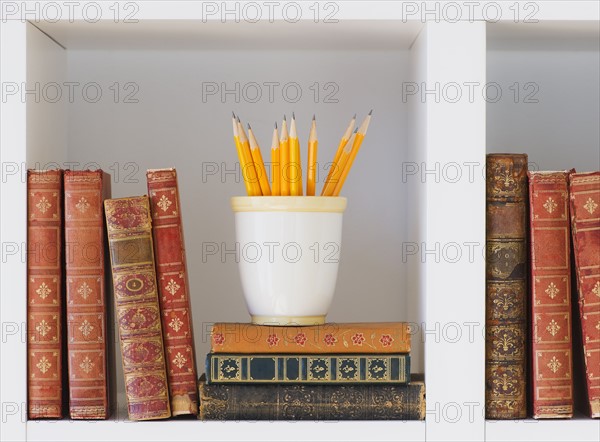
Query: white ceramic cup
point(289, 251)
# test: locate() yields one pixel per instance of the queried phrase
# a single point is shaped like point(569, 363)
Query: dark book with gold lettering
point(309, 369)
point(312, 402)
point(506, 286)
point(129, 230)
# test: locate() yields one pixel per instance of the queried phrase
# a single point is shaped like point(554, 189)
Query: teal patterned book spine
point(310, 369)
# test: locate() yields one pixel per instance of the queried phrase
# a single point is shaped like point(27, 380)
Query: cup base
point(288, 320)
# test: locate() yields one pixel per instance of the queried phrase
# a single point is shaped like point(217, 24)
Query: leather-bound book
point(506, 286)
point(173, 290)
point(584, 189)
point(307, 369)
point(86, 293)
point(312, 402)
point(550, 252)
point(44, 294)
point(129, 229)
point(330, 338)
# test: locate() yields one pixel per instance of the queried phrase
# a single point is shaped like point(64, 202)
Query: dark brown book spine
point(506, 286)
point(551, 346)
point(86, 294)
point(136, 302)
point(312, 402)
point(173, 290)
point(44, 294)
point(585, 225)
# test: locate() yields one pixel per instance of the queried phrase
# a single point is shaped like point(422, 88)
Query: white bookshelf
point(372, 57)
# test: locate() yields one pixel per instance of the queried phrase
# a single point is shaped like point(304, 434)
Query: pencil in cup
point(263, 179)
point(360, 136)
point(284, 155)
point(311, 164)
point(295, 169)
point(275, 164)
point(245, 159)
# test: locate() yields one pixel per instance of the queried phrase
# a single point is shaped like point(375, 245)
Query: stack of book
point(357, 371)
point(538, 223)
point(68, 303)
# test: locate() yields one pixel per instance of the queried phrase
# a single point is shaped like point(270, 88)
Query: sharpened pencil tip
point(371, 112)
point(249, 128)
point(293, 116)
point(314, 117)
point(233, 113)
point(284, 117)
point(238, 119)
point(356, 130)
point(354, 117)
point(276, 125)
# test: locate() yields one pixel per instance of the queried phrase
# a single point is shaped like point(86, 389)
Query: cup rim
point(330, 204)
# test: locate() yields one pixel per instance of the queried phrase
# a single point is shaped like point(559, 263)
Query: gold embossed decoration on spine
point(506, 286)
point(136, 301)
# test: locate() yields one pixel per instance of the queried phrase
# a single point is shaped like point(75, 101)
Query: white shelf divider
point(13, 228)
point(455, 233)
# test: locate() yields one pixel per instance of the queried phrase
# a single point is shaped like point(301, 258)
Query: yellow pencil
point(275, 164)
point(339, 167)
point(241, 157)
point(284, 154)
point(263, 179)
point(338, 152)
point(311, 166)
point(362, 131)
point(248, 167)
point(295, 161)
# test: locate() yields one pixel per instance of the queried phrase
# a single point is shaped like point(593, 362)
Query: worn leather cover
point(173, 290)
point(332, 338)
point(308, 369)
point(137, 311)
point(44, 294)
point(506, 286)
point(550, 252)
point(584, 191)
point(86, 305)
point(312, 402)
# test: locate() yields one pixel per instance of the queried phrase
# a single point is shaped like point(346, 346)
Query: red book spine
point(129, 230)
point(44, 293)
point(86, 294)
point(551, 348)
point(585, 225)
point(173, 290)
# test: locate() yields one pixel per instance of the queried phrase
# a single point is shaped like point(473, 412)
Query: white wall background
point(561, 130)
point(172, 127)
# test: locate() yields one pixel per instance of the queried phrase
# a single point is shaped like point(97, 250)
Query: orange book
point(584, 191)
point(86, 305)
point(173, 290)
point(44, 294)
point(331, 338)
point(550, 291)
